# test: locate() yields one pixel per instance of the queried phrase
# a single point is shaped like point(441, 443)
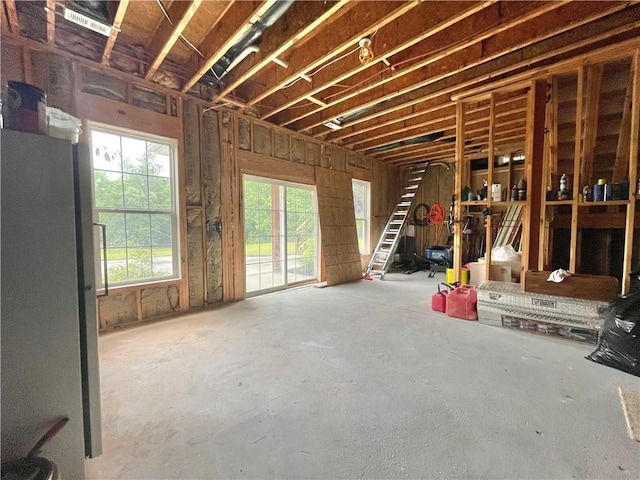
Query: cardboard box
point(590, 287)
point(500, 273)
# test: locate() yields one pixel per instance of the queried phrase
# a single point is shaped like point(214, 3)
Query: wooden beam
point(51, 22)
point(590, 133)
point(466, 82)
point(165, 38)
point(316, 101)
point(631, 220)
point(365, 18)
point(12, 15)
point(458, 39)
point(551, 139)
point(534, 172)
point(297, 23)
point(577, 165)
point(117, 22)
point(445, 16)
point(432, 125)
point(226, 33)
point(621, 166)
point(460, 175)
point(455, 59)
point(404, 123)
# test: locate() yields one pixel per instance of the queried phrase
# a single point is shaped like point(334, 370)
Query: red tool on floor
point(462, 303)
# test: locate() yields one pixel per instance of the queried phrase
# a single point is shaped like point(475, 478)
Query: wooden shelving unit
point(579, 143)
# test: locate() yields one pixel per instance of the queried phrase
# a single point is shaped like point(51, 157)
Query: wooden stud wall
point(210, 144)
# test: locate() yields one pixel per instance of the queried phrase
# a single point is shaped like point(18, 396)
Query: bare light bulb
point(366, 53)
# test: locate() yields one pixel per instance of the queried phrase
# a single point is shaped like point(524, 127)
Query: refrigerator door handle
point(103, 227)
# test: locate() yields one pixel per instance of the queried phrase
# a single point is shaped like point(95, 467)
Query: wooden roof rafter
point(454, 60)
point(358, 19)
point(228, 30)
point(51, 22)
point(117, 22)
point(345, 70)
point(163, 40)
point(12, 15)
point(297, 23)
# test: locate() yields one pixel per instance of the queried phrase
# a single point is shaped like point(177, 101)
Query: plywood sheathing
point(195, 258)
point(212, 211)
point(191, 128)
point(337, 226)
point(117, 309)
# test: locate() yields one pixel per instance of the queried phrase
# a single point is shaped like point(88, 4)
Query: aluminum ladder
point(382, 257)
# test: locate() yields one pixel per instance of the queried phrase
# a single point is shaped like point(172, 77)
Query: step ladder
point(382, 257)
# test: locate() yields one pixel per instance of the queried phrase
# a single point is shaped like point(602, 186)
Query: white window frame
point(367, 214)
point(175, 205)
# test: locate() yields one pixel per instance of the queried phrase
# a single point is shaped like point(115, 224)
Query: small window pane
point(161, 231)
point(162, 261)
point(136, 191)
point(139, 263)
point(108, 188)
point(159, 160)
point(115, 228)
point(134, 156)
point(106, 151)
point(159, 193)
point(138, 230)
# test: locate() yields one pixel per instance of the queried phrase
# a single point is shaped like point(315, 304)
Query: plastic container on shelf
point(62, 125)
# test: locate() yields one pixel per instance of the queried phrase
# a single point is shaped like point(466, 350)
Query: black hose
point(421, 220)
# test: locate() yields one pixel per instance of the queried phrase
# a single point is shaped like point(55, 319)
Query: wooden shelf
point(603, 204)
point(561, 202)
point(475, 202)
point(508, 203)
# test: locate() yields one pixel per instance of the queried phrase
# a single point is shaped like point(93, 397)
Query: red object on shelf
point(462, 303)
point(439, 300)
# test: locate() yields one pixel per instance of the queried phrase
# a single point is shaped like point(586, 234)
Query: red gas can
point(439, 301)
point(462, 303)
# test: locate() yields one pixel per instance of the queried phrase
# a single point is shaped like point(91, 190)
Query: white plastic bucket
point(62, 125)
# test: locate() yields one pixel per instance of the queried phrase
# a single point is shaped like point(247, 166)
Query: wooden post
point(578, 160)
point(489, 219)
point(627, 267)
point(460, 171)
point(534, 166)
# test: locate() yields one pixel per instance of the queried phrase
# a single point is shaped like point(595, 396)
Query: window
point(135, 197)
point(361, 207)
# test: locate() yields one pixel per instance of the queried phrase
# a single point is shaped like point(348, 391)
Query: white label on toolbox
point(537, 302)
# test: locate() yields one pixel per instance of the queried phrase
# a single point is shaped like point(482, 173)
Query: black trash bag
point(619, 339)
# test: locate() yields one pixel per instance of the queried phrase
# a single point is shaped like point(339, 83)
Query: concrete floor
point(356, 381)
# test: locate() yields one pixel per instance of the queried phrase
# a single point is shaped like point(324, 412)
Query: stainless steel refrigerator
point(48, 329)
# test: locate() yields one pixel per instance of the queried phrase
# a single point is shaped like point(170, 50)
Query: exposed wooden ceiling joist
point(117, 22)
point(12, 15)
point(454, 60)
point(298, 22)
point(365, 18)
point(226, 33)
point(425, 59)
point(51, 22)
point(165, 37)
point(446, 15)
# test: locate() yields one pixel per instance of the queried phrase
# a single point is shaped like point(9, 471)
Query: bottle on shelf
point(514, 193)
point(522, 190)
point(563, 193)
point(586, 194)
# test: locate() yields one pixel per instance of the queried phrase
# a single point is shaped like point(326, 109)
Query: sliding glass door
point(280, 234)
